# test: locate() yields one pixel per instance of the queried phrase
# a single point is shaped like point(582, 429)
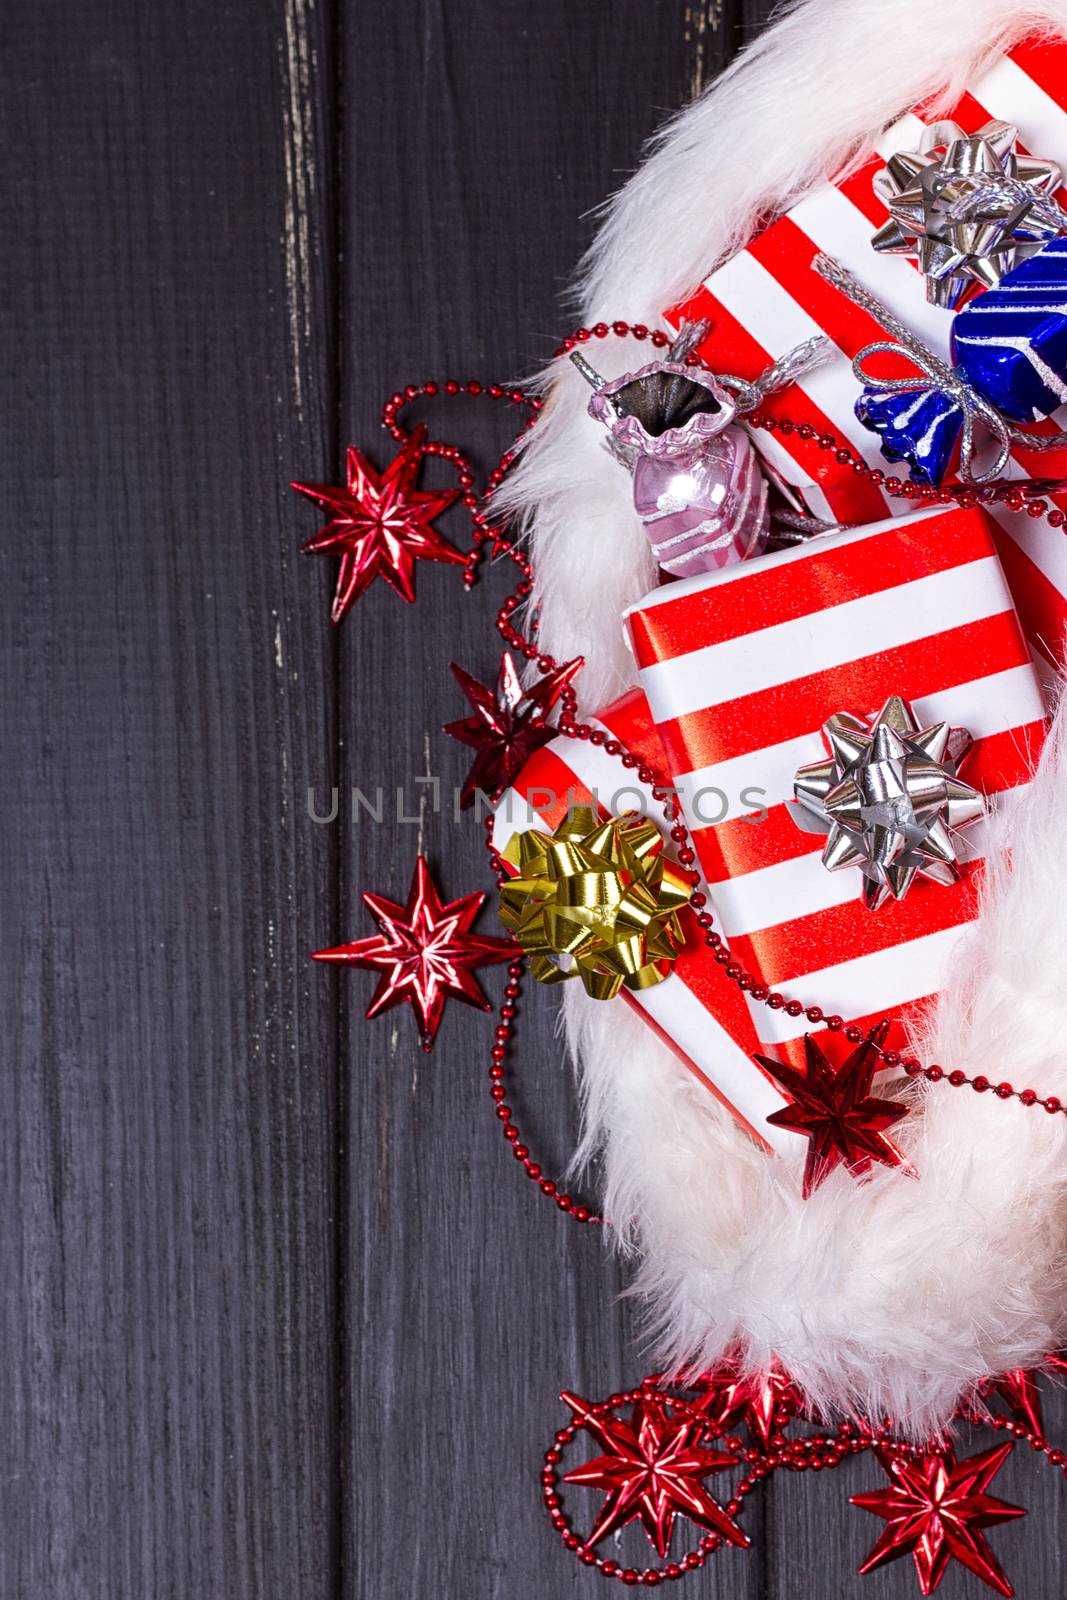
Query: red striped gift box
point(697, 1010)
point(767, 299)
point(741, 669)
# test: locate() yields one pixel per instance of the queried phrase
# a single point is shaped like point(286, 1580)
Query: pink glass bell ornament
point(697, 484)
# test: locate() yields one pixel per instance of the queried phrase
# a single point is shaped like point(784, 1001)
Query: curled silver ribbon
point(936, 376)
point(780, 374)
point(748, 394)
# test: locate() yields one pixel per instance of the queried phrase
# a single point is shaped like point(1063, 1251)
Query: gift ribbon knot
point(935, 377)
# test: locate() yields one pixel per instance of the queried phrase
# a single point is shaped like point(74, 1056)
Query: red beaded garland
point(815, 1452)
point(651, 1576)
point(497, 1055)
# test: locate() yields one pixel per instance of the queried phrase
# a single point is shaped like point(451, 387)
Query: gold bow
point(597, 901)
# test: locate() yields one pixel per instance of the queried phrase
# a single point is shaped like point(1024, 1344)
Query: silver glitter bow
point(934, 374)
point(967, 208)
point(889, 798)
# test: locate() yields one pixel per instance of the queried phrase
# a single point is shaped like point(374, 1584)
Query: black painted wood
point(472, 1301)
point(168, 1398)
point(280, 1316)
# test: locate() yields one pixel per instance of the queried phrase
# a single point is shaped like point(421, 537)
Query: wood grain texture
point(472, 1302)
point(280, 1316)
point(169, 1379)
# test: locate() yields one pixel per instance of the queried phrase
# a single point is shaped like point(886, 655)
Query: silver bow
point(889, 798)
point(967, 208)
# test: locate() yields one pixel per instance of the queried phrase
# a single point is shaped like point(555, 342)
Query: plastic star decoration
point(834, 1108)
point(425, 952)
point(652, 1469)
point(765, 1401)
point(380, 524)
point(1019, 1391)
point(889, 798)
point(936, 1507)
point(967, 208)
point(508, 725)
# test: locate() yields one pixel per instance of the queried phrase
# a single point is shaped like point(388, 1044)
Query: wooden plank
point(469, 1305)
point(470, 1301)
point(167, 1399)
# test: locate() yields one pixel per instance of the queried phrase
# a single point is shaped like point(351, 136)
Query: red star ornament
point(508, 725)
point(652, 1470)
point(380, 525)
point(834, 1108)
point(425, 952)
point(1019, 1391)
point(935, 1508)
point(764, 1401)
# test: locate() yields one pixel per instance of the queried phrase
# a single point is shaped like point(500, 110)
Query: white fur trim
point(892, 1296)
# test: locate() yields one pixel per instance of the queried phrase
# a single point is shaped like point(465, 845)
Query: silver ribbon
point(936, 376)
point(748, 394)
point(780, 374)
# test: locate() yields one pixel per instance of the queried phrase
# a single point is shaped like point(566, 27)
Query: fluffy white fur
point(892, 1296)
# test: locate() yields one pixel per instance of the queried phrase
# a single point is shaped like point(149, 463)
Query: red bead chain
point(1018, 1430)
point(1015, 495)
point(650, 1577)
point(812, 1453)
point(497, 1073)
point(460, 460)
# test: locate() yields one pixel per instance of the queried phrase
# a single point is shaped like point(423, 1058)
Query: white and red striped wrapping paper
point(768, 298)
point(697, 1010)
point(741, 668)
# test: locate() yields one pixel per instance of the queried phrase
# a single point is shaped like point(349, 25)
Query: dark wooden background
point(279, 1316)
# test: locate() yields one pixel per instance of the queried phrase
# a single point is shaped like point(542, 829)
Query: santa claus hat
point(888, 1297)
